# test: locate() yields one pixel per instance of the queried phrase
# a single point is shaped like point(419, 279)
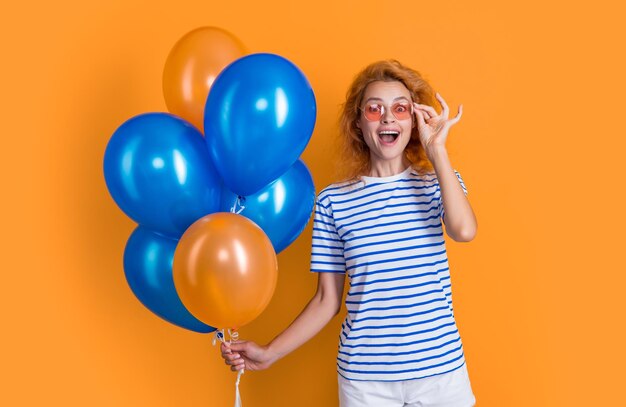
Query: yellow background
point(538, 294)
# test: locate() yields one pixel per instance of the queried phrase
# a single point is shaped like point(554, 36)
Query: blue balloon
point(159, 172)
point(258, 119)
point(282, 209)
point(148, 260)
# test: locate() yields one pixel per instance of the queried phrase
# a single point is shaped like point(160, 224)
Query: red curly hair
point(355, 155)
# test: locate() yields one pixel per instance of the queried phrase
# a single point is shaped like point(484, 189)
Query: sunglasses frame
point(383, 109)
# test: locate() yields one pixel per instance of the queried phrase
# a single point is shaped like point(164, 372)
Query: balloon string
point(238, 203)
point(233, 337)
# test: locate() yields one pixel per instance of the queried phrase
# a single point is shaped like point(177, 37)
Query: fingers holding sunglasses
point(421, 117)
point(429, 111)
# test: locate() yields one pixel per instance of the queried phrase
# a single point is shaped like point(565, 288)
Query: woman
point(399, 344)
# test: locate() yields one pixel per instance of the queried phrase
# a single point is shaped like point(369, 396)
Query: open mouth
point(388, 136)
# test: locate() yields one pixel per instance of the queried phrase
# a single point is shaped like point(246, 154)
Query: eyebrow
point(398, 98)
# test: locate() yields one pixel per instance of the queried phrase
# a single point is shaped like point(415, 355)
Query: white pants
point(452, 389)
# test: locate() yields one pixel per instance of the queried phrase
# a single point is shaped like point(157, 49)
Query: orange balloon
point(192, 66)
point(225, 270)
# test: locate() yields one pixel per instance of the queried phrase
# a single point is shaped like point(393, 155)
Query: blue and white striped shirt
point(386, 234)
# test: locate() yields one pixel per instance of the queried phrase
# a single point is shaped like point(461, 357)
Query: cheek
point(369, 132)
point(410, 132)
point(368, 139)
point(407, 127)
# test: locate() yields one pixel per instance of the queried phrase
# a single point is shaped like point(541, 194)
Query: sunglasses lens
point(373, 111)
point(401, 111)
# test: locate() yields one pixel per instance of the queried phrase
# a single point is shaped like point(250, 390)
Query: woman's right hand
point(246, 355)
point(324, 305)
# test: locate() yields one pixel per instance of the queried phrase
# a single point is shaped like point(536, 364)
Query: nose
point(387, 116)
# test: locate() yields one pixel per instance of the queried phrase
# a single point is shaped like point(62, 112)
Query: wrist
point(271, 354)
point(435, 153)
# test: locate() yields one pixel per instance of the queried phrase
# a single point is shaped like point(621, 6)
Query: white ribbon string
point(233, 337)
point(238, 206)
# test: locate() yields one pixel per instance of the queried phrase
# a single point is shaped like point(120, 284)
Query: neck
point(385, 168)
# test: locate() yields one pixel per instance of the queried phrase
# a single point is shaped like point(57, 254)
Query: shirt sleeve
point(441, 210)
point(327, 247)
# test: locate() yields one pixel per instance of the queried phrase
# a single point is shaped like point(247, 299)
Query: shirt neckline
point(390, 178)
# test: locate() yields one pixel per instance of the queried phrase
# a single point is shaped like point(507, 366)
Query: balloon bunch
point(214, 209)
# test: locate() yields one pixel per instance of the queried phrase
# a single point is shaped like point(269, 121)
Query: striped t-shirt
point(386, 234)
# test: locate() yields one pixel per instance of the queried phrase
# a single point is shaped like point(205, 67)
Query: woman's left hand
point(432, 127)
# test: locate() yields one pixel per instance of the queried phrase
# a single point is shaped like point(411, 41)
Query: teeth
point(389, 132)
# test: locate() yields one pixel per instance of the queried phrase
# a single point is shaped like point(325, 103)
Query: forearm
point(315, 316)
point(460, 221)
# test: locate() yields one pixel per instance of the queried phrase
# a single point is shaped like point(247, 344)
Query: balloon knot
point(238, 206)
point(220, 337)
